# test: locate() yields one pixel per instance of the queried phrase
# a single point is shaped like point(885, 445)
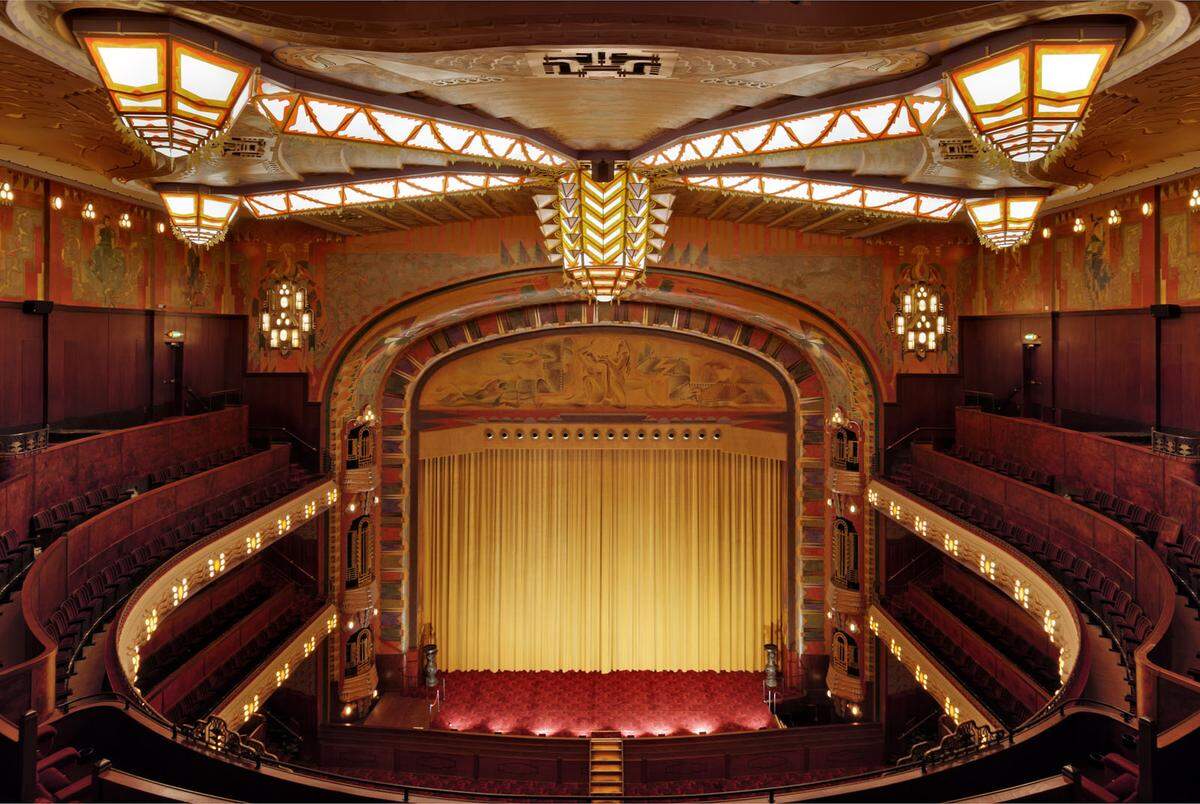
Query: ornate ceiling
point(722, 61)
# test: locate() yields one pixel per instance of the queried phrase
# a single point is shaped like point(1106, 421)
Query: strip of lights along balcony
point(173, 95)
point(886, 119)
point(1027, 100)
point(869, 199)
point(338, 196)
point(313, 116)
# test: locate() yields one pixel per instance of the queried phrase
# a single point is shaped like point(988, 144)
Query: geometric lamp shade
point(198, 217)
point(173, 95)
point(603, 232)
point(1027, 100)
point(1005, 220)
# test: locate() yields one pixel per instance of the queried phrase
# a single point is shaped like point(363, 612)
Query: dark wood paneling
point(21, 367)
point(991, 355)
point(1180, 371)
point(1105, 369)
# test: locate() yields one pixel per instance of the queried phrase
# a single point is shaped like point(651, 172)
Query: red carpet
point(635, 703)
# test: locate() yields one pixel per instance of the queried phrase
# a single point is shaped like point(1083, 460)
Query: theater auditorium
point(599, 401)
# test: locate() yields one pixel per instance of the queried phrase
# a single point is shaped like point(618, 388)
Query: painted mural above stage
point(602, 370)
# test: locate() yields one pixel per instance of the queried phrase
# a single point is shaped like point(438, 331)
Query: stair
point(606, 775)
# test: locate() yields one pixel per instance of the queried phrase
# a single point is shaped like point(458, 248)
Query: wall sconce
point(1031, 339)
point(1046, 233)
point(173, 337)
point(1194, 200)
point(125, 222)
point(160, 227)
point(1147, 209)
point(56, 203)
point(854, 710)
point(1077, 227)
point(1114, 217)
point(89, 212)
point(6, 193)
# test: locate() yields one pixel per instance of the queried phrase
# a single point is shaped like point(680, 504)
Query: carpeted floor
point(635, 703)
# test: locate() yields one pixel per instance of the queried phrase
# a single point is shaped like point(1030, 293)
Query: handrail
point(770, 793)
point(909, 435)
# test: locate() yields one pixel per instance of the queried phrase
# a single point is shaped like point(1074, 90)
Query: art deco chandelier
point(1023, 94)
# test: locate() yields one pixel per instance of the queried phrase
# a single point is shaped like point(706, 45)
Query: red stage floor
point(635, 703)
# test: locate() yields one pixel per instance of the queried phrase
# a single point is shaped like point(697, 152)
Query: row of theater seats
point(201, 700)
point(1102, 595)
point(48, 524)
point(77, 619)
point(62, 774)
point(1040, 667)
point(1020, 471)
point(170, 657)
point(964, 666)
point(16, 556)
point(1141, 520)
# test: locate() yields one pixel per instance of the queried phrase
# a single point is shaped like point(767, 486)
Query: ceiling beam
point(321, 222)
point(754, 210)
point(458, 213)
point(794, 211)
point(479, 199)
point(420, 213)
point(724, 205)
point(883, 226)
point(824, 219)
point(379, 216)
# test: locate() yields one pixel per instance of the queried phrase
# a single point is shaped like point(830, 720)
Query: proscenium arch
point(797, 409)
point(734, 310)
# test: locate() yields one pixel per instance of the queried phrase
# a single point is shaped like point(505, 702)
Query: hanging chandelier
point(920, 319)
point(604, 230)
point(1006, 219)
point(1027, 100)
point(198, 217)
point(172, 94)
point(286, 317)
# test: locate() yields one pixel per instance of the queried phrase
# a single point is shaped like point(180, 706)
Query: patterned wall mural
point(95, 261)
point(1103, 266)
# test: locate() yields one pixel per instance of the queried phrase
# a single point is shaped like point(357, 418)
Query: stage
point(572, 704)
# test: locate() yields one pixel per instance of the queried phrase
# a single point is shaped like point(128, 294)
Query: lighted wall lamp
point(173, 337)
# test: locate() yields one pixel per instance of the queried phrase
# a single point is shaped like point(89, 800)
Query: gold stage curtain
point(640, 559)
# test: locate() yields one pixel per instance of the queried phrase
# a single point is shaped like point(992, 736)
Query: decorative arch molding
point(383, 365)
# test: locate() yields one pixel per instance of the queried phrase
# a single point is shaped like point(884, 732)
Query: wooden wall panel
point(20, 366)
point(1180, 371)
point(991, 355)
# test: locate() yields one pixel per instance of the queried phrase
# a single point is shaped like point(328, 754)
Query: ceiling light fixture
point(294, 112)
point(1005, 220)
point(604, 232)
point(172, 94)
point(198, 217)
point(338, 196)
point(1027, 100)
point(927, 206)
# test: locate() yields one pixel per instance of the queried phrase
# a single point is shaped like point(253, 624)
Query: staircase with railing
point(606, 773)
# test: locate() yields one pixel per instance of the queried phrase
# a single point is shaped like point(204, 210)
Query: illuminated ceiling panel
point(338, 196)
point(1027, 100)
point(887, 119)
point(312, 116)
point(171, 94)
point(924, 206)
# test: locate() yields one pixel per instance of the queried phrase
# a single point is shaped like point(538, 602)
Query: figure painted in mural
point(1097, 273)
point(606, 369)
point(107, 273)
point(194, 287)
point(17, 251)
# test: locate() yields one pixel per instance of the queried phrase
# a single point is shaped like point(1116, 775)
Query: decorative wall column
point(848, 578)
point(353, 568)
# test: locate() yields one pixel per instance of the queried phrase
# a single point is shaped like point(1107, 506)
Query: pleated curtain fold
point(602, 560)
